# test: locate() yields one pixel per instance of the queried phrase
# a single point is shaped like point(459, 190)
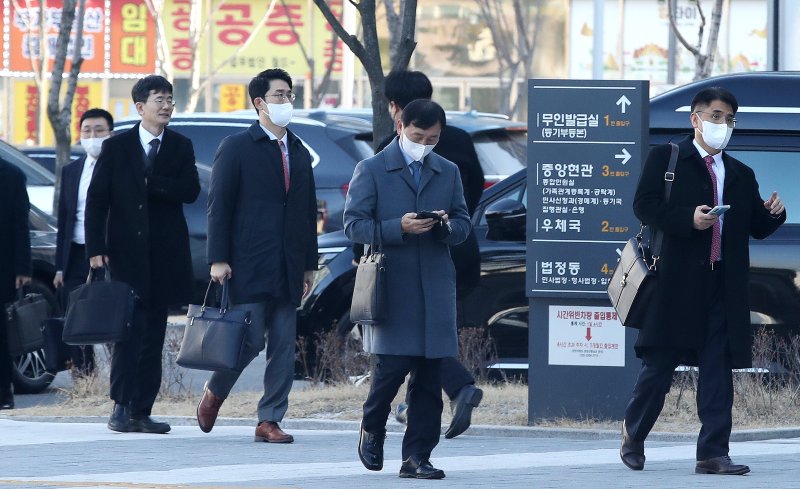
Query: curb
point(475, 430)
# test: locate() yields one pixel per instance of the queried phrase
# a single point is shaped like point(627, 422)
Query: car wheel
point(30, 375)
point(345, 327)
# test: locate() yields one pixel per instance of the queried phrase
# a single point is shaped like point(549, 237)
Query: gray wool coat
point(421, 280)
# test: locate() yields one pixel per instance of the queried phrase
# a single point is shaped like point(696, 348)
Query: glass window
point(447, 97)
point(34, 173)
point(517, 192)
point(775, 171)
point(501, 153)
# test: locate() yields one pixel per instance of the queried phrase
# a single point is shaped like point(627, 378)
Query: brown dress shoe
point(208, 409)
point(270, 432)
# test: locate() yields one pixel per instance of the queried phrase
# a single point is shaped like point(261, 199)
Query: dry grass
point(505, 404)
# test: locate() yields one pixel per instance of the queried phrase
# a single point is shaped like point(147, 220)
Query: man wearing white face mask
point(700, 314)
point(71, 263)
point(262, 239)
point(385, 200)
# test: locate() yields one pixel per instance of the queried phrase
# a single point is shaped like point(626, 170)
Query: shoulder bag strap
point(669, 177)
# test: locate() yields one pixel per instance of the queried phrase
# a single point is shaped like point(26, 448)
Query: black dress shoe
point(370, 449)
point(631, 452)
point(416, 468)
point(142, 423)
point(720, 465)
point(468, 397)
point(120, 419)
point(7, 399)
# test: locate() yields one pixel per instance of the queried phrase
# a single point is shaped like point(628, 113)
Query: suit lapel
point(73, 182)
point(430, 166)
point(136, 155)
point(395, 161)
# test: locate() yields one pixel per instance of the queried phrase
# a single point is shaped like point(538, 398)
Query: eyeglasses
point(160, 101)
point(94, 131)
point(285, 96)
point(718, 117)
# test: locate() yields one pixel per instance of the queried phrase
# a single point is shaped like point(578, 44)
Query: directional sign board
point(587, 140)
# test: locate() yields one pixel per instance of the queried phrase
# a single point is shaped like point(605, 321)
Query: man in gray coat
point(385, 197)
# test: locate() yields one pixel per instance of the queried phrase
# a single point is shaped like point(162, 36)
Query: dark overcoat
point(421, 282)
point(678, 317)
point(15, 239)
point(67, 209)
point(266, 235)
point(140, 224)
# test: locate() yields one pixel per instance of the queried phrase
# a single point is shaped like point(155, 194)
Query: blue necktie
point(416, 171)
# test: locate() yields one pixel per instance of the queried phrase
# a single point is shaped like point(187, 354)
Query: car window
point(34, 174)
point(775, 171)
point(501, 152)
point(517, 192)
point(39, 221)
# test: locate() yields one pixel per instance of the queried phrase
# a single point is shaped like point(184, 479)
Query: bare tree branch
point(704, 62)
point(350, 40)
point(60, 112)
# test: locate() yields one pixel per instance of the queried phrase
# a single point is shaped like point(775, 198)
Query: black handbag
point(25, 316)
point(214, 337)
point(369, 293)
point(56, 352)
point(631, 288)
point(100, 311)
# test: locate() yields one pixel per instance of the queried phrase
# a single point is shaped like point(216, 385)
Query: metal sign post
point(587, 140)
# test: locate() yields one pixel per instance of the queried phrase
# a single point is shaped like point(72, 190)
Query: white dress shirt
point(78, 234)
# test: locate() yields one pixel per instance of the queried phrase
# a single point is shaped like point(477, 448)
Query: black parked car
point(30, 374)
point(40, 182)
point(501, 144)
point(46, 155)
point(766, 137)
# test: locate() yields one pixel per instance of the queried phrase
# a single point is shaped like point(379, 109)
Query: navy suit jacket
point(67, 207)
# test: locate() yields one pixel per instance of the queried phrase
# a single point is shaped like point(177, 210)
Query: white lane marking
point(281, 471)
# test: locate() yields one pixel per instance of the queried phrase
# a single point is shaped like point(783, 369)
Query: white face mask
point(716, 135)
point(93, 145)
point(280, 114)
point(415, 150)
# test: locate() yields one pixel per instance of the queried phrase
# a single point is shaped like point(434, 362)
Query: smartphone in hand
point(428, 215)
point(719, 210)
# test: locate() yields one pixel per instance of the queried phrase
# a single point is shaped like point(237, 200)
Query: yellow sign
point(26, 111)
point(232, 97)
point(276, 42)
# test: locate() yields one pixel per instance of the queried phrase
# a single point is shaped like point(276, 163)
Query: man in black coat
point(72, 267)
point(262, 239)
point(15, 261)
point(135, 225)
point(700, 315)
point(401, 88)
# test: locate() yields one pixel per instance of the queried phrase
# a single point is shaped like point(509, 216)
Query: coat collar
point(257, 133)
point(688, 150)
point(394, 161)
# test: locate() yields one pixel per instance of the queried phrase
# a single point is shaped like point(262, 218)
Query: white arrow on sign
point(625, 156)
point(623, 102)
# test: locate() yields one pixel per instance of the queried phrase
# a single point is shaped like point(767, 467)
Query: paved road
point(36, 454)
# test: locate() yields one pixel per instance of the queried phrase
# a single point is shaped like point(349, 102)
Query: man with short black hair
point(262, 239)
point(401, 88)
point(72, 266)
point(700, 314)
point(135, 226)
point(386, 195)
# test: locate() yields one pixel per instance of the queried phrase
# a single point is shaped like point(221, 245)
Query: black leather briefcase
point(100, 311)
point(25, 316)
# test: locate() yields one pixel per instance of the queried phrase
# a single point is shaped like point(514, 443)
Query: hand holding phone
point(428, 215)
point(719, 210)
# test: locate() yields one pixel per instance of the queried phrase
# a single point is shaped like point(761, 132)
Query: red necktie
point(285, 165)
point(716, 234)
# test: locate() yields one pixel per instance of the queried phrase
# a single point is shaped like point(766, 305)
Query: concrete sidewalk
point(83, 453)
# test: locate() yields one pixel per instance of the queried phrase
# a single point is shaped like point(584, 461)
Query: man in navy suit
point(262, 238)
point(72, 267)
point(135, 226)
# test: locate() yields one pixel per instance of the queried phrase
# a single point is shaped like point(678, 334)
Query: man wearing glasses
point(262, 239)
point(71, 263)
point(135, 226)
point(700, 314)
